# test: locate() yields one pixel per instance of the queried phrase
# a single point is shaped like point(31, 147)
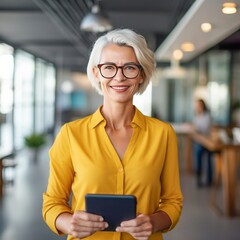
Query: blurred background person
point(202, 124)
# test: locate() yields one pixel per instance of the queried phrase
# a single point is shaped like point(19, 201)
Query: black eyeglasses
point(129, 70)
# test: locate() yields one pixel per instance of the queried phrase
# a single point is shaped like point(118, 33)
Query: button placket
point(120, 180)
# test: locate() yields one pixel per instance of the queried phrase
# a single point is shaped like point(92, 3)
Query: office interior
point(43, 84)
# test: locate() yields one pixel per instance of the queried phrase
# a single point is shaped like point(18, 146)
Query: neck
point(118, 116)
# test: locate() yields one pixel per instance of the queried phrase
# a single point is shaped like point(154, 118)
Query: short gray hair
point(123, 37)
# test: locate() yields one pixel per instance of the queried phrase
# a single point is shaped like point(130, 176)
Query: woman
point(116, 150)
point(202, 124)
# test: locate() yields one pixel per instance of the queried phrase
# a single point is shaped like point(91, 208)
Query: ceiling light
point(188, 47)
point(206, 27)
point(177, 54)
point(96, 21)
point(229, 8)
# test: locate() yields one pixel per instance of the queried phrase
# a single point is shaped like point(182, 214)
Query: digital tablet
point(113, 208)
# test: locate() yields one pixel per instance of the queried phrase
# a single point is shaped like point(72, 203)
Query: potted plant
point(34, 142)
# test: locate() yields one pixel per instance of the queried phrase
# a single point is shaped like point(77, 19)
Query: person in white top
point(202, 123)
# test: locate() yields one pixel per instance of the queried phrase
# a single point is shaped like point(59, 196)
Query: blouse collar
point(138, 119)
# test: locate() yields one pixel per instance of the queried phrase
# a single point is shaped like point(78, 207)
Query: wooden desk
point(228, 156)
point(4, 153)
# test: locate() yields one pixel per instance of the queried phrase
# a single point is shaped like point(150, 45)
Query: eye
point(109, 67)
point(130, 67)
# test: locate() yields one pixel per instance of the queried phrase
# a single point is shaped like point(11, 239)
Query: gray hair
point(123, 37)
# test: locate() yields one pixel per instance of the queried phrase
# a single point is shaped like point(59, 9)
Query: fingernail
point(106, 225)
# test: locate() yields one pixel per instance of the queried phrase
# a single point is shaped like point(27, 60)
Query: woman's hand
point(145, 225)
point(80, 224)
point(85, 224)
point(140, 228)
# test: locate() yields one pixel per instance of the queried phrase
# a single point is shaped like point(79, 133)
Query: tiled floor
point(21, 219)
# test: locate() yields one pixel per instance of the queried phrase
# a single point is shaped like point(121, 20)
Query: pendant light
point(95, 21)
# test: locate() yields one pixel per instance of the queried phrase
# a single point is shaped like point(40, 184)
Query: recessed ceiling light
point(206, 27)
point(177, 54)
point(188, 47)
point(229, 8)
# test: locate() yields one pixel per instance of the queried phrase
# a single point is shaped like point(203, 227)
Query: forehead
point(117, 53)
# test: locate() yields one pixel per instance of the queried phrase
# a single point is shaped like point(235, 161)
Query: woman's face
point(118, 88)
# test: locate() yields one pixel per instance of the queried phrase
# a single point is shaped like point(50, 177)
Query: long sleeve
point(171, 196)
point(56, 198)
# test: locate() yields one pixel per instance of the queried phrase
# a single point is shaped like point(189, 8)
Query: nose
point(119, 75)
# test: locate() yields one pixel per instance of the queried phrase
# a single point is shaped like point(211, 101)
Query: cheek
point(102, 83)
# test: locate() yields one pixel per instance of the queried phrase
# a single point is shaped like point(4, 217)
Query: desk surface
point(212, 145)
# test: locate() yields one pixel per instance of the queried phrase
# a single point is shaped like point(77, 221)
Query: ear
point(96, 73)
point(141, 79)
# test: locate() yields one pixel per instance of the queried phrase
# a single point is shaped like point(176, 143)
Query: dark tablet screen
point(113, 208)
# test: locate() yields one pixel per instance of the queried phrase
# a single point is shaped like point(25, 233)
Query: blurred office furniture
point(226, 158)
point(4, 154)
point(226, 151)
point(8, 167)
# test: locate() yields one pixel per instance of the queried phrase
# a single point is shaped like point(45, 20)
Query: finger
point(77, 228)
point(139, 220)
point(128, 229)
point(79, 222)
point(145, 229)
point(82, 234)
point(80, 230)
point(89, 224)
point(140, 235)
point(87, 216)
point(85, 220)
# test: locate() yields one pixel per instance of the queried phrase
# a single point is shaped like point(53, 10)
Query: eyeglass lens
point(110, 70)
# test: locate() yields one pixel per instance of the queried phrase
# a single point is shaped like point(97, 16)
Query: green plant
point(35, 140)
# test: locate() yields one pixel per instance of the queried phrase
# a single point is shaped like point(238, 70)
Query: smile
point(119, 87)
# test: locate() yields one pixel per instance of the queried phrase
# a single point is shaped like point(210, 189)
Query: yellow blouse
point(83, 160)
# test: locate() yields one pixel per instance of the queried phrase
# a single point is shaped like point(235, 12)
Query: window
point(23, 96)
point(6, 96)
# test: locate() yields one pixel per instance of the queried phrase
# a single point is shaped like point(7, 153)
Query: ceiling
point(50, 28)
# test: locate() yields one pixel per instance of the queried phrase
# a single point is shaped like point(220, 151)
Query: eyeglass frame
point(117, 67)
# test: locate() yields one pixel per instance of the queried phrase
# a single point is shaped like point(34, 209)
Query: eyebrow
point(112, 63)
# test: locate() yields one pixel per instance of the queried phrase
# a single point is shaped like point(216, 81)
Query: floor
point(21, 218)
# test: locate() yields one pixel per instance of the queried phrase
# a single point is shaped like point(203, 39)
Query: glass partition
point(39, 96)
point(49, 103)
point(27, 96)
point(6, 96)
point(44, 96)
point(23, 96)
point(218, 86)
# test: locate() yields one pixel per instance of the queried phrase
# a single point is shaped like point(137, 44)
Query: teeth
point(119, 88)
